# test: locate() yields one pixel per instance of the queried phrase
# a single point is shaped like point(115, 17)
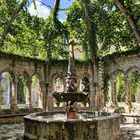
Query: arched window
point(6, 89)
point(36, 95)
point(22, 90)
point(58, 85)
point(135, 88)
point(120, 87)
point(84, 85)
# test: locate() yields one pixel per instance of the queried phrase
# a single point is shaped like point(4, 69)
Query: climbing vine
point(104, 77)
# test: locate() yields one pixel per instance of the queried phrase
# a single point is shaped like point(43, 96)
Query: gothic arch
point(85, 75)
point(132, 69)
point(38, 76)
point(23, 86)
point(116, 72)
point(7, 84)
point(10, 71)
point(25, 74)
point(56, 75)
point(57, 84)
point(36, 91)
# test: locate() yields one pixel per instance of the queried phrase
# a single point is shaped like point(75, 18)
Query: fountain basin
point(56, 126)
point(70, 96)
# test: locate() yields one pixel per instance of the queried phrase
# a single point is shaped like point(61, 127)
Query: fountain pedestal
point(71, 115)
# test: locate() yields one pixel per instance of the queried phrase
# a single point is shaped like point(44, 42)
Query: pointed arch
point(40, 78)
point(7, 77)
point(36, 91)
point(116, 72)
point(132, 69)
point(10, 71)
point(84, 84)
point(23, 88)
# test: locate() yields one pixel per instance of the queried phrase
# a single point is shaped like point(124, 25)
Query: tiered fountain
point(71, 124)
point(71, 96)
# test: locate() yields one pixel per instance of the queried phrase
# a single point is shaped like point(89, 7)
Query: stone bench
point(12, 118)
point(135, 116)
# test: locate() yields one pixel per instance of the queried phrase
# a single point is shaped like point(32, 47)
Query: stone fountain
point(71, 96)
point(71, 124)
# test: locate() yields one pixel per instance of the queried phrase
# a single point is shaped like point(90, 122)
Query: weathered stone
point(47, 126)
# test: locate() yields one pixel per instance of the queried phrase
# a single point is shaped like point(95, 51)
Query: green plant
point(1, 93)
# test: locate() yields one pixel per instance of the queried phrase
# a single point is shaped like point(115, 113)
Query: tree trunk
point(91, 31)
point(56, 8)
point(9, 23)
point(93, 48)
point(129, 19)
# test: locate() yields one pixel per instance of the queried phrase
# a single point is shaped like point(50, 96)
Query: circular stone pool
point(56, 126)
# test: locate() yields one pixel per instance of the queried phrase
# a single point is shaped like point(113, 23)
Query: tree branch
point(56, 9)
point(48, 6)
point(91, 31)
point(9, 23)
point(129, 19)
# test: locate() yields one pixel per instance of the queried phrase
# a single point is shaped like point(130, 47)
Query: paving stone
point(11, 132)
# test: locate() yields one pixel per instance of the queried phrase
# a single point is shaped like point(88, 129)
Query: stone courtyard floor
point(11, 131)
point(15, 132)
point(130, 131)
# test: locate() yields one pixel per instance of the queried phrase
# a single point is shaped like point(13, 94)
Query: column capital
point(126, 76)
point(113, 80)
point(15, 81)
point(127, 79)
point(29, 83)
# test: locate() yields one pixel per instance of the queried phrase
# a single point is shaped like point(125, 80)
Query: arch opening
point(22, 91)
point(6, 85)
point(36, 93)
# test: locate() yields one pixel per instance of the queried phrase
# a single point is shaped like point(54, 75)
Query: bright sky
point(43, 11)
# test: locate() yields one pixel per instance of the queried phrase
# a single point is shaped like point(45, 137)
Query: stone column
point(92, 97)
point(28, 96)
point(42, 100)
point(0, 95)
point(64, 85)
point(113, 93)
point(14, 106)
point(96, 87)
point(78, 84)
point(128, 92)
point(50, 99)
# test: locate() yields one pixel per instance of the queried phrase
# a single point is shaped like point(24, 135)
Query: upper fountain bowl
point(70, 96)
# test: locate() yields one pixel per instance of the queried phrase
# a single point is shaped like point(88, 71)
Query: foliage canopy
point(42, 38)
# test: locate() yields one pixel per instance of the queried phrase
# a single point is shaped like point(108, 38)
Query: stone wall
point(108, 129)
point(124, 64)
point(16, 66)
